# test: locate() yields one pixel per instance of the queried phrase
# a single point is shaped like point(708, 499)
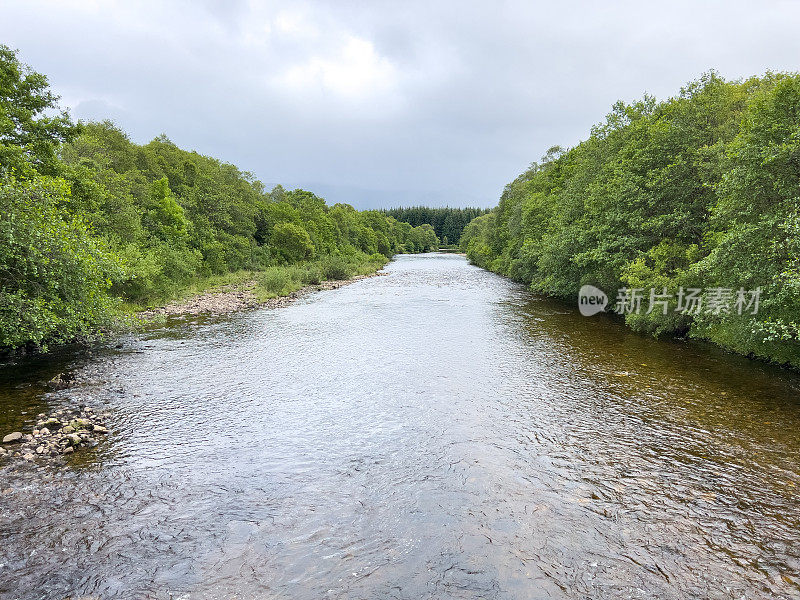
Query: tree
point(698, 191)
point(29, 139)
point(54, 276)
point(291, 242)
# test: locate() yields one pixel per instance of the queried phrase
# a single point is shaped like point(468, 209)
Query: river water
point(437, 432)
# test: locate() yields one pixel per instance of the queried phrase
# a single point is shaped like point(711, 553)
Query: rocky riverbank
point(233, 298)
point(57, 434)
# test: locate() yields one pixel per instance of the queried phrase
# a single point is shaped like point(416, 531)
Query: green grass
point(279, 281)
point(197, 286)
point(283, 280)
point(271, 282)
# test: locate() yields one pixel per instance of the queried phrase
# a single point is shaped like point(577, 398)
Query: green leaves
point(29, 138)
point(291, 242)
point(54, 276)
point(88, 217)
point(700, 190)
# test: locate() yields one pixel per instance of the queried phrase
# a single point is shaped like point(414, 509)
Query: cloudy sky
point(384, 103)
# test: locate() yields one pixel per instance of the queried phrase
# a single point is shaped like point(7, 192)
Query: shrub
point(291, 242)
point(336, 267)
point(313, 274)
point(54, 275)
point(279, 281)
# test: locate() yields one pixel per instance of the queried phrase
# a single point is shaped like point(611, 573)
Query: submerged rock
point(12, 438)
point(51, 423)
point(62, 432)
point(81, 424)
point(61, 381)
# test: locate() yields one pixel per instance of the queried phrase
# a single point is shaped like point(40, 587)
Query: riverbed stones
point(61, 381)
point(236, 297)
point(62, 432)
point(13, 438)
point(51, 423)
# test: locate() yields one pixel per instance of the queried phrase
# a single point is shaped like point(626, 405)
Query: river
point(436, 432)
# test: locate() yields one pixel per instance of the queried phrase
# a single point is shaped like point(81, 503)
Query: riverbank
point(788, 359)
point(242, 296)
point(219, 294)
point(273, 287)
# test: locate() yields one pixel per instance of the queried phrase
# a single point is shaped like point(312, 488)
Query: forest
point(94, 225)
point(447, 223)
point(697, 192)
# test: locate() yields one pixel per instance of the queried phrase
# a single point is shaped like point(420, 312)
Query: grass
point(283, 280)
point(271, 282)
point(279, 281)
point(197, 286)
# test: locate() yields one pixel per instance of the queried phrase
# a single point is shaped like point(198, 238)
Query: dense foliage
point(90, 218)
point(447, 223)
point(701, 191)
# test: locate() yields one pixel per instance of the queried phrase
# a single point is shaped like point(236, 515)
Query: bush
point(313, 274)
point(336, 267)
point(279, 281)
point(291, 242)
point(54, 276)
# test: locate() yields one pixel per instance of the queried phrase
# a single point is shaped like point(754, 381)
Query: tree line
point(696, 194)
point(447, 223)
point(91, 219)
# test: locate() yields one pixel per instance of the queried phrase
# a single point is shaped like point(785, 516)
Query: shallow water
point(437, 432)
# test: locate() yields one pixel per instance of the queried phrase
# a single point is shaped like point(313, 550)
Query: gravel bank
point(232, 298)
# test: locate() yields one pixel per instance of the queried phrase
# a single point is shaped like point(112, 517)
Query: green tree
point(29, 138)
point(291, 242)
point(700, 190)
point(54, 276)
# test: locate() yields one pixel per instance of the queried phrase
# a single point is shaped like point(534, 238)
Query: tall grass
point(275, 281)
point(283, 280)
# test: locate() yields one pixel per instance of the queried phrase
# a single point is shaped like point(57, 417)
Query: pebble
point(12, 437)
point(63, 432)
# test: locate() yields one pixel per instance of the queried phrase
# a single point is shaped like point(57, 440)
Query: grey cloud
point(455, 100)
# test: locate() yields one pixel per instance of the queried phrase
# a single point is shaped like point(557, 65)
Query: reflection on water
point(435, 433)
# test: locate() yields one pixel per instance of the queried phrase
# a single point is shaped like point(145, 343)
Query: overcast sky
point(385, 103)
